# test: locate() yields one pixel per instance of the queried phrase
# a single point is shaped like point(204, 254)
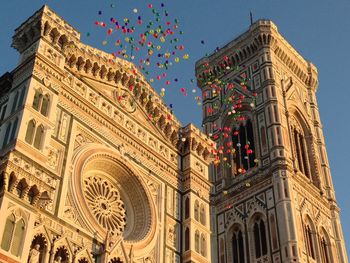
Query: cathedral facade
point(94, 166)
point(272, 198)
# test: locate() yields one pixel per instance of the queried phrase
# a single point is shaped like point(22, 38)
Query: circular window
point(105, 204)
point(112, 197)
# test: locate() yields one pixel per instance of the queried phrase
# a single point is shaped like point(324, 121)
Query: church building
point(86, 175)
point(95, 168)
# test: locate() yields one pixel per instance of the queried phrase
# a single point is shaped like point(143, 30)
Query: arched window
point(39, 135)
point(83, 260)
point(324, 250)
point(14, 129)
point(18, 237)
point(238, 255)
point(260, 241)
point(300, 150)
point(243, 143)
point(309, 241)
point(14, 103)
point(196, 210)
point(196, 241)
point(38, 96)
point(21, 98)
point(41, 102)
point(7, 134)
point(187, 239)
point(8, 232)
point(202, 214)
point(187, 207)
point(30, 132)
point(45, 105)
point(203, 245)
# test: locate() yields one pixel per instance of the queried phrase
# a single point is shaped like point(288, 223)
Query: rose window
point(104, 202)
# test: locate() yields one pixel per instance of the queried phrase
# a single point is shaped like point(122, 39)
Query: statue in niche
point(58, 260)
point(34, 254)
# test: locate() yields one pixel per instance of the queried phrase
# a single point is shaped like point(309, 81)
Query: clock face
point(126, 100)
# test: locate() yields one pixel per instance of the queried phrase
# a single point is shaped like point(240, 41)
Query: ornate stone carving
point(104, 201)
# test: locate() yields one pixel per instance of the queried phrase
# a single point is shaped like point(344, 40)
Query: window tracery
point(301, 153)
point(13, 235)
point(244, 152)
point(237, 244)
point(260, 240)
point(105, 203)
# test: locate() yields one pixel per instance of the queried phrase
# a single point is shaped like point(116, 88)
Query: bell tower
point(272, 197)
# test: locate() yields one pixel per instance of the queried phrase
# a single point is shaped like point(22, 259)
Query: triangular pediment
point(137, 110)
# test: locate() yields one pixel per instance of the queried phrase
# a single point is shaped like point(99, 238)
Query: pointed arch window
point(243, 142)
point(187, 207)
point(203, 246)
point(38, 96)
point(8, 232)
point(187, 239)
point(45, 105)
point(14, 130)
point(39, 135)
point(30, 132)
point(7, 134)
point(260, 241)
point(324, 250)
point(196, 241)
point(202, 214)
point(309, 242)
point(14, 103)
point(196, 210)
point(238, 255)
point(18, 237)
point(13, 235)
point(41, 102)
point(301, 151)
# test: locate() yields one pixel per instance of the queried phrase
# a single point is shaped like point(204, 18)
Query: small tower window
point(196, 241)
point(202, 214)
point(187, 239)
point(243, 142)
point(187, 207)
point(7, 134)
point(238, 247)
point(39, 135)
point(41, 102)
point(260, 240)
point(309, 242)
point(203, 246)
point(196, 210)
point(30, 132)
point(301, 153)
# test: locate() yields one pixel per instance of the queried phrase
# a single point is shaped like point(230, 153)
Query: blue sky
point(319, 30)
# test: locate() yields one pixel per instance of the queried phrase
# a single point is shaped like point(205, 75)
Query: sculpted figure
point(34, 254)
